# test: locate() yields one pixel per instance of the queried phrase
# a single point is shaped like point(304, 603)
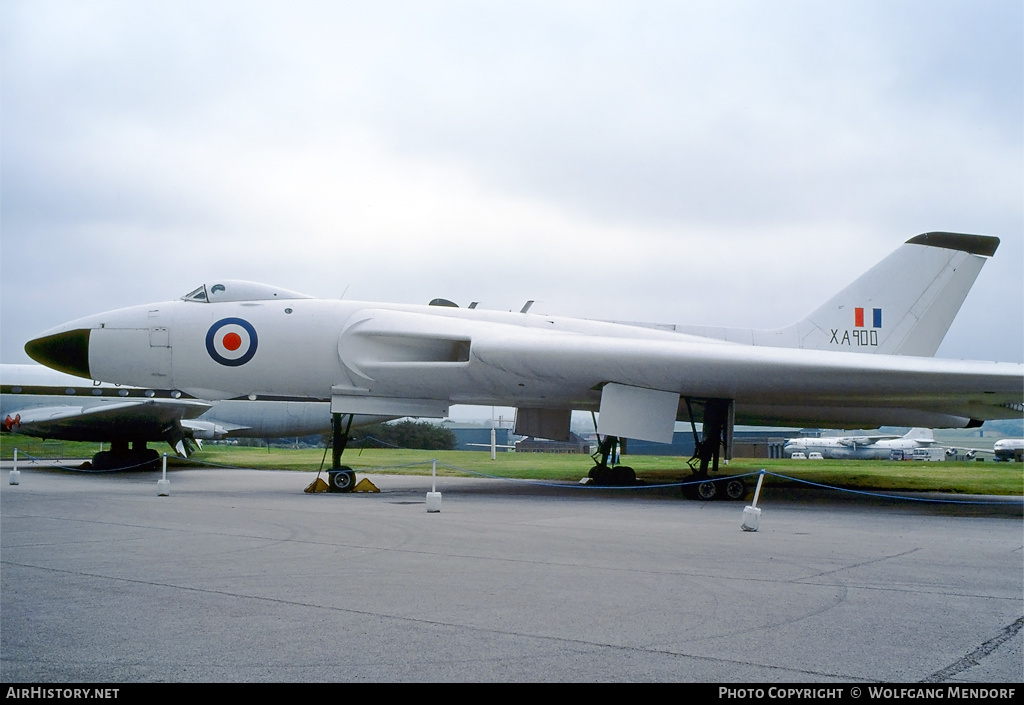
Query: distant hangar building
point(470, 436)
point(749, 442)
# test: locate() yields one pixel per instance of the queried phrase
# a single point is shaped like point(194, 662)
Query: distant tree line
point(313, 441)
point(419, 435)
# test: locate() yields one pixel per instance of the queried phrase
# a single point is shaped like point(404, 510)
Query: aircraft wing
point(968, 452)
point(143, 417)
point(406, 354)
point(866, 440)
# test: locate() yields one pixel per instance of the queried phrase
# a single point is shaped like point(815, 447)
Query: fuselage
point(306, 347)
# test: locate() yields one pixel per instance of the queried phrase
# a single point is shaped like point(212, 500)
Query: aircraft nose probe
point(67, 351)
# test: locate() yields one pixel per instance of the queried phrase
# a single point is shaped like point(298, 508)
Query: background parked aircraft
point(1009, 449)
point(44, 403)
point(880, 446)
point(860, 447)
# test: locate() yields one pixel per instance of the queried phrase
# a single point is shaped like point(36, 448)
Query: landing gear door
point(635, 412)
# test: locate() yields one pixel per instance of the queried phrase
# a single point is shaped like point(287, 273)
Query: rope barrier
point(893, 496)
point(577, 486)
point(90, 470)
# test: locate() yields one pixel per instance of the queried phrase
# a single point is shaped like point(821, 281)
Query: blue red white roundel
point(231, 341)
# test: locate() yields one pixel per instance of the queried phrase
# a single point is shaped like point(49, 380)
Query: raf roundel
point(231, 341)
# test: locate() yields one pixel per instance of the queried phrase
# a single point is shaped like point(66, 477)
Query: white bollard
point(433, 501)
point(751, 514)
point(433, 497)
point(15, 478)
point(163, 485)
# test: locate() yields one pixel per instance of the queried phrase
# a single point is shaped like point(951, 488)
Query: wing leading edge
point(129, 419)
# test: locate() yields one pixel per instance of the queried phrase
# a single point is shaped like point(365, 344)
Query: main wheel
point(735, 489)
point(104, 460)
point(601, 475)
point(623, 475)
point(343, 480)
point(148, 459)
point(707, 491)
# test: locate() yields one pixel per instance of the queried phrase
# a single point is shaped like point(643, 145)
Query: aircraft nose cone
point(67, 351)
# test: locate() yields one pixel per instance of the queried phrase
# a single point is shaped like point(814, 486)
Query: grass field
point(957, 477)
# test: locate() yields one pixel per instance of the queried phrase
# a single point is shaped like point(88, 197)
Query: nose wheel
point(342, 479)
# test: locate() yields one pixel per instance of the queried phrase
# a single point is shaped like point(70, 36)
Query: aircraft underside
point(712, 444)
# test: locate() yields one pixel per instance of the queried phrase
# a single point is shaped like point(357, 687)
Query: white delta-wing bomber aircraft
point(861, 360)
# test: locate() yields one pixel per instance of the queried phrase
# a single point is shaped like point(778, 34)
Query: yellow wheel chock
point(319, 485)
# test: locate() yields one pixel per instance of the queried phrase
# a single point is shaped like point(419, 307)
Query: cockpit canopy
point(234, 290)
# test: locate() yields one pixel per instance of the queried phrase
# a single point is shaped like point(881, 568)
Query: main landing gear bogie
point(729, 488)
point(605, 474)
point(712, 445)
point(617, 476)
point(123, 456)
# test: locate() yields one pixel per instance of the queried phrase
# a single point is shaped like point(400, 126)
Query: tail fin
point(920, 434)
point(902, 306)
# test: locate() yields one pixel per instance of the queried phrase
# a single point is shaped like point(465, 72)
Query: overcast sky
point(725, 162)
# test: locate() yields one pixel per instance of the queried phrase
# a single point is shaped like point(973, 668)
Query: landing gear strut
point(717, 437)
point(604, 474)
point(341, 478)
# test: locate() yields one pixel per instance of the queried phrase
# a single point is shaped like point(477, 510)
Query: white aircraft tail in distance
point(229, 339)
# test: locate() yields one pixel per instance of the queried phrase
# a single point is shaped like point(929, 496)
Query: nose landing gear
point(340, 478)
